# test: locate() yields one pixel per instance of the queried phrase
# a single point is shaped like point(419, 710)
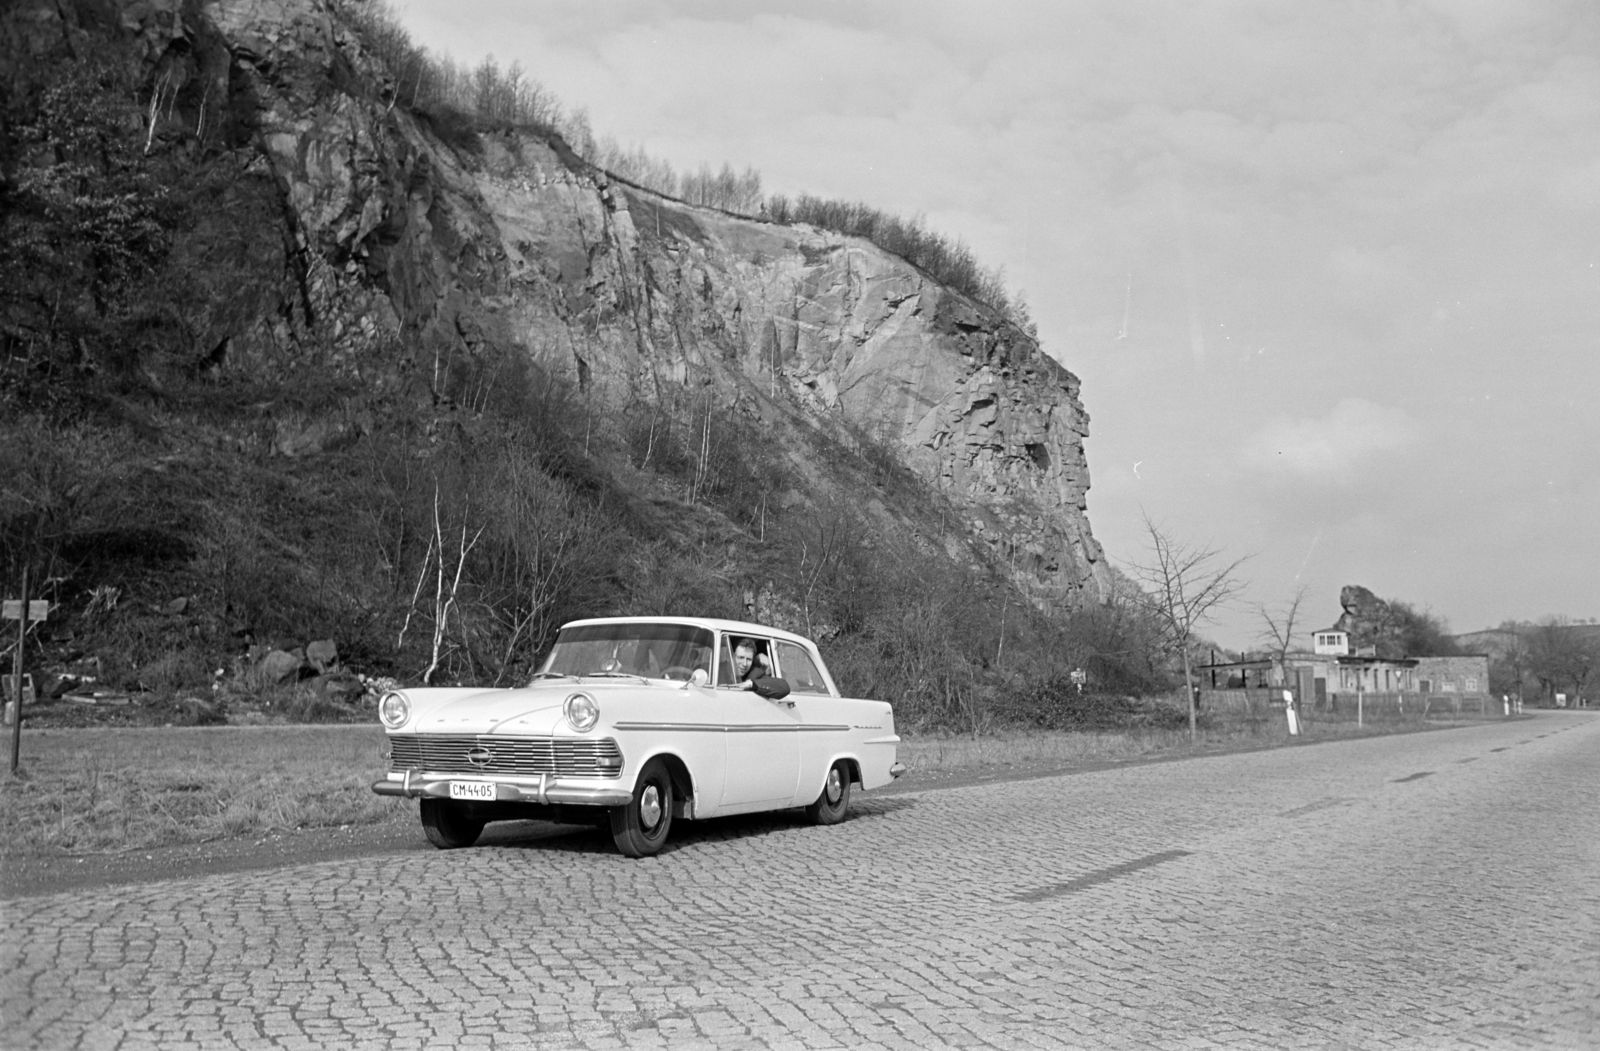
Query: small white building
point(1330, 642)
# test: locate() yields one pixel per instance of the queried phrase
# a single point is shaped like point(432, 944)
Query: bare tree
point(1279, 628)
point(1563, 653)
point(1182, 585)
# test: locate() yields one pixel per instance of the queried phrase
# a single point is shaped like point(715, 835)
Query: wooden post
point(16, 675)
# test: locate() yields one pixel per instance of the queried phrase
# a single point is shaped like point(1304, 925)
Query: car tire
point(834, 802)
point(640, 828)
point(448, 825)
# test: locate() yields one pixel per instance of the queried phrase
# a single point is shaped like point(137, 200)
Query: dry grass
point(111, 790)
point(950, 755)
point(87, 791)
point(965, 754)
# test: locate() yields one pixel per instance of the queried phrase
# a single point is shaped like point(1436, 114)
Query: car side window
point(727, 668)
point(799, 670)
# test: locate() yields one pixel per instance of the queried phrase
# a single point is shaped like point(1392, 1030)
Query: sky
point(1329, 273)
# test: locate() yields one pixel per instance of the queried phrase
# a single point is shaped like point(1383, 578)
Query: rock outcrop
point(402, 247)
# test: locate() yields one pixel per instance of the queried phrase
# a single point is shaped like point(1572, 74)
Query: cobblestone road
point(1432, 890)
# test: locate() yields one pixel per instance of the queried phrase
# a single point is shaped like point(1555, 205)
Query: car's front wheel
point(448, 824)
point(640, 828)
point(834, 802)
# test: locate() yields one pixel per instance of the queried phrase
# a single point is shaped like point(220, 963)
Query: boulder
point(340, 687)
point(323, 655)
point(278, 666)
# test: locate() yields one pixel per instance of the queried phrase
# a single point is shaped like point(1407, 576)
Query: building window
point(1472, 686)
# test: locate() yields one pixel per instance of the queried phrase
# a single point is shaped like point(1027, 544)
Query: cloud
point(1333, 447)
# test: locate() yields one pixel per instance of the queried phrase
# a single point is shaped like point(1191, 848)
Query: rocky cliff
point(396, 245)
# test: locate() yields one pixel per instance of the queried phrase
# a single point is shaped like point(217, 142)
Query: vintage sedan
point(633, 722)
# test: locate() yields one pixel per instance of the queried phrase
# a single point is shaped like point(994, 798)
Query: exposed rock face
point(400, 244)
point(1390, 628)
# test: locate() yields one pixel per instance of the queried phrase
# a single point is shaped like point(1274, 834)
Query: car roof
point(736, 627)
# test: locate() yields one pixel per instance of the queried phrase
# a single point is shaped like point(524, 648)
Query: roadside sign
point(38, 610)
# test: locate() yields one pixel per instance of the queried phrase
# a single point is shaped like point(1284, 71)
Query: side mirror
point(698, 677)
point(771, 689)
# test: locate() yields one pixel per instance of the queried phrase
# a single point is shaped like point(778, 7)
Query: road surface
point(1433, 890)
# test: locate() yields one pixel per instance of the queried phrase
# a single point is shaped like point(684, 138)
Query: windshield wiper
point(554, 675)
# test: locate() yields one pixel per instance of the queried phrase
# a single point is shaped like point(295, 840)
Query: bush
point(1054, 703)
point(951, 263)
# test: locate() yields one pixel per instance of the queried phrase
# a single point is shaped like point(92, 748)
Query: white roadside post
point(1288, 708)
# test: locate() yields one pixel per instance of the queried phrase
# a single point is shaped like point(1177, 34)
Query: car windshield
point(654, 651)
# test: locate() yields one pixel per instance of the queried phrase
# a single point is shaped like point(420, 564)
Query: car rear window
point(799, 671)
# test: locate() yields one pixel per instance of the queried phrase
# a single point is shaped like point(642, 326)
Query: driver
point(749, 664)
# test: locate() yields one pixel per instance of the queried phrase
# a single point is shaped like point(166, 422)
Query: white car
point(635, 721)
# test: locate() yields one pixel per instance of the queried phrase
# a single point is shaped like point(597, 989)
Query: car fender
point(685, 803)
point(812, 791)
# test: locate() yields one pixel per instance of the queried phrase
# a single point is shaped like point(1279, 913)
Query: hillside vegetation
point(451, 511)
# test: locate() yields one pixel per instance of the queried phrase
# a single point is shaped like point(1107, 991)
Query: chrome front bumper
point(897, 769)
point(412, 784)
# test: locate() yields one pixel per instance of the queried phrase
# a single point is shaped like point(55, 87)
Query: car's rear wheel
point(448, 825)
point(834, 802)
point(640, 828)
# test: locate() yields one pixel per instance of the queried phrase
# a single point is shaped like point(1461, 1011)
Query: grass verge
point(110, 790)
point(954, 756)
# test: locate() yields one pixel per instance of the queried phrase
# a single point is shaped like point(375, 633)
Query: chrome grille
point(512, 756)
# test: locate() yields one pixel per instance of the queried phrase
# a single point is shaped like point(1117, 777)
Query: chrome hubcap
point(835, 785)
point(650, 806)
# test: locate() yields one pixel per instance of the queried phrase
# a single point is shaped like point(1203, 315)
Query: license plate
point(471, 790)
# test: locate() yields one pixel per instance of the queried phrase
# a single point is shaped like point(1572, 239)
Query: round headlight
point(394, 709)
point(582, 712)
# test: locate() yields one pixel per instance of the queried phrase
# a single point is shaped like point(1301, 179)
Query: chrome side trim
point(732, 728)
